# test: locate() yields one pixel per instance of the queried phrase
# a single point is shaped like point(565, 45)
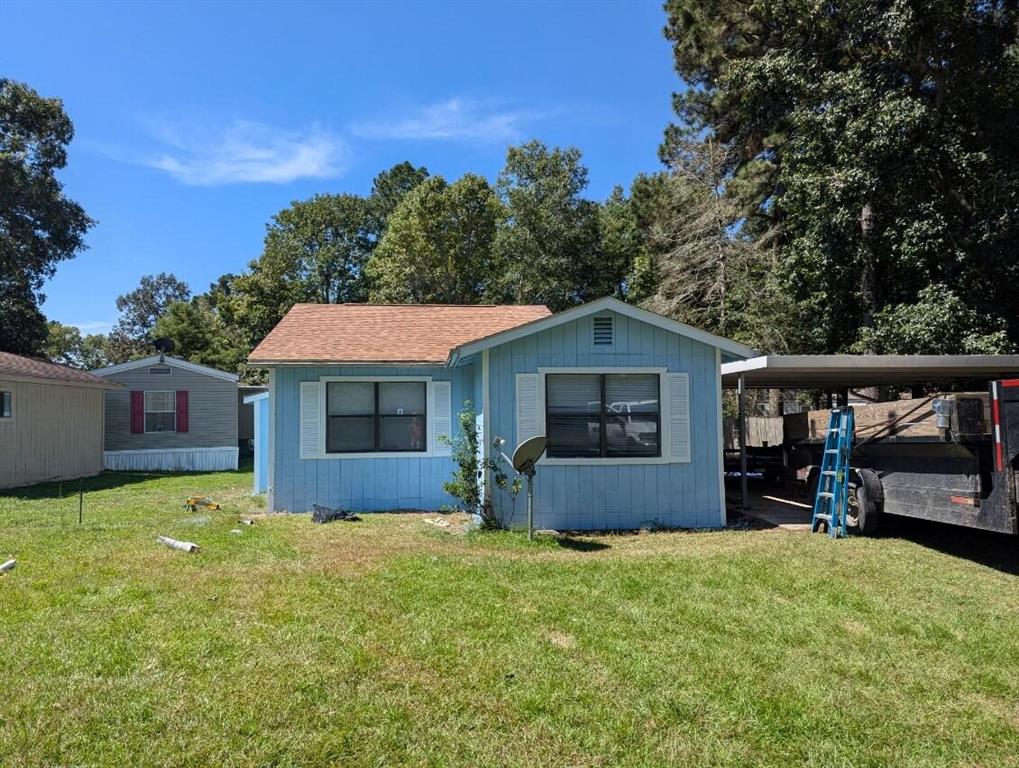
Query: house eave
point(731, 349)
point(319, 361)
point(104, 385)
point(165, 360)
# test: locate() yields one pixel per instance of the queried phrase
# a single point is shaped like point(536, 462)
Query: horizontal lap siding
point(56, 433)
point(360, 484)
point(212, 411)
point(615, 496)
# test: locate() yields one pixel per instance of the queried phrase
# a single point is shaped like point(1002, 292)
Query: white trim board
point(165, 360)
point(721, 440)
point(729, 346)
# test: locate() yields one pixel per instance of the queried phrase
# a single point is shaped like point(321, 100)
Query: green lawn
point(396, 642)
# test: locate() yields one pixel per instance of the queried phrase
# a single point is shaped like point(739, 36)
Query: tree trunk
point(868, 284)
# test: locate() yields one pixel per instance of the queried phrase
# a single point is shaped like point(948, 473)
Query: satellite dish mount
point(525, 460)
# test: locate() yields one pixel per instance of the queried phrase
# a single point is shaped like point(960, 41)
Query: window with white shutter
point(528, 407)
point(311, 419)
point(442, 417)
point(679, 416)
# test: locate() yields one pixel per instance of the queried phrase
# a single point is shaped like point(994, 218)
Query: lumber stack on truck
point(762, 431)
point(897, 418)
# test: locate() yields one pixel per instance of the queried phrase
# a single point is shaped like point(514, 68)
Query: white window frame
point(146, 411)
point(10, 398)
point(429, 419)
point(598, 461)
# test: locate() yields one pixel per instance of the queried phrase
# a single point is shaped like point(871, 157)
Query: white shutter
point(679, 416)
point(311, 419)
point(528, 406)
point(442, 417)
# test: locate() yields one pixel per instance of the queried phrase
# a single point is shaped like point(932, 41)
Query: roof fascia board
point(376, 363)
point(601, 305)
point(165, 360)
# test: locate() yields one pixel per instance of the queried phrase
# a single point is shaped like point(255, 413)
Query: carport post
point(744, 501)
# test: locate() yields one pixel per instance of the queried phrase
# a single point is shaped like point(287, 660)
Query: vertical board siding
point(360, 484)
point(56, 433)
point(605, 497)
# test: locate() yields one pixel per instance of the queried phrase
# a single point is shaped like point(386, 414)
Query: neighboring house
point(630, 402)
point(246, 416)
point(170, 415)
point(259, 405)
point(51, 421)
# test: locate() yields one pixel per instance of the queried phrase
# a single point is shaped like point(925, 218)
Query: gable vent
point(603, 327)
point(156, 371)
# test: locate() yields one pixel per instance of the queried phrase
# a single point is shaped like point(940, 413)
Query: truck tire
point(870, 501)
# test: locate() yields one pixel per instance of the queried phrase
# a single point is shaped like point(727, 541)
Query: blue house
point(630, 401)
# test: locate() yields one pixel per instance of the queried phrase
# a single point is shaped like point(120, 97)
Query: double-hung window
point(376, 416)
point(6, 405)
point(603, 415)
point(161, 411)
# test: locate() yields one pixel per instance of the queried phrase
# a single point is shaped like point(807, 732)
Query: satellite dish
point(163, 345)
point(527, 454)
point(525, 457)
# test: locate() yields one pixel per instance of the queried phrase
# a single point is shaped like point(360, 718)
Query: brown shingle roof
point(18, 367)
point(385, 333)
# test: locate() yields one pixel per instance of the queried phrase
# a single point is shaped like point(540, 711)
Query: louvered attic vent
point(603, 331)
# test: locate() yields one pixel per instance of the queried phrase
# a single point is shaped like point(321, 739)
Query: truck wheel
point(870, 502)
point(812, 481)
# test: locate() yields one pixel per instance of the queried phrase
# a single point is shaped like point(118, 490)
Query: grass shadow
point(106, 481)
point(999, 551)
point(581, 545)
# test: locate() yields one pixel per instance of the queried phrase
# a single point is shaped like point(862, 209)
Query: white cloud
point(94, 326)
point(246, 152)
point(451, 119)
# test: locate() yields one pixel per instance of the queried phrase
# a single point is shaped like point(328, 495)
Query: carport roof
point(838, 371)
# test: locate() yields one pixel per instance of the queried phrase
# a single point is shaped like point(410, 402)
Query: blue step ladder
point(831, 503)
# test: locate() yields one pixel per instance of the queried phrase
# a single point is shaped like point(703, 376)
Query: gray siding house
point(170, 415)
point(51, 421)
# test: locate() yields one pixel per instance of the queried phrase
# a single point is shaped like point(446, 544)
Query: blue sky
point(196, 122)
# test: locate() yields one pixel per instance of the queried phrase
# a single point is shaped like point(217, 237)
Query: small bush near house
point(466, 482)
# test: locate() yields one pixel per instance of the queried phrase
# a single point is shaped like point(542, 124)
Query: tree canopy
point(550, 242)
point(39, 225)
point(438, 246)
point(873, 143)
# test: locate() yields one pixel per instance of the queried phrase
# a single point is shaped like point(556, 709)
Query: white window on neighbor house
point(376, 416)
point(6, 405)
point(603, 415)
point(161, 411)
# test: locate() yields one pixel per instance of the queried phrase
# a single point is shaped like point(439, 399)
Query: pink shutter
point(182, 410)
point(137, 412)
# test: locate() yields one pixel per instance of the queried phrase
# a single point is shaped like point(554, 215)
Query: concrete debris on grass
point(183, 546)
point(437, 521)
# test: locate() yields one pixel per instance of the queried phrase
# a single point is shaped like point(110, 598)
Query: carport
point(837, 374)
